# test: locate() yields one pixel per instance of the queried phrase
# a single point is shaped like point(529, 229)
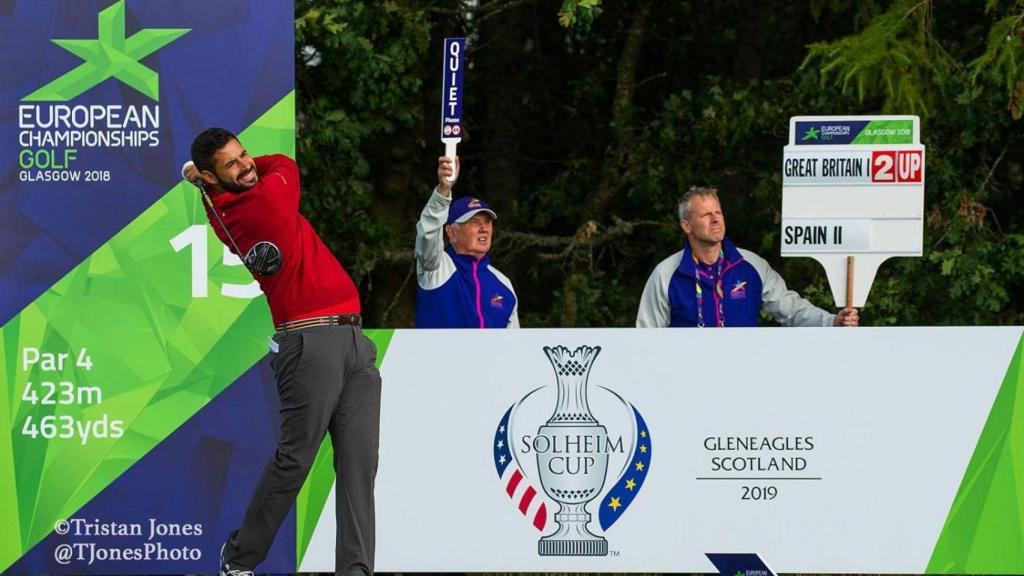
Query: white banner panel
point(821, 450)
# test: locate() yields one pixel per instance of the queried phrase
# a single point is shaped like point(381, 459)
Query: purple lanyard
point(719, 295)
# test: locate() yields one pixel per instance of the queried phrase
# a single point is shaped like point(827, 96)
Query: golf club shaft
point(213, 210)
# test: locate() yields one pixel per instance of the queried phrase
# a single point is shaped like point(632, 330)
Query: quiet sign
point(451, 94)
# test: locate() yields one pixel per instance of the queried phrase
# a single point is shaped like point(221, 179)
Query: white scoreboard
point(853, 186)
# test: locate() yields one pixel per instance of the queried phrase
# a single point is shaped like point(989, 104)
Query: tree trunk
point(501, 82)
point(596, 204)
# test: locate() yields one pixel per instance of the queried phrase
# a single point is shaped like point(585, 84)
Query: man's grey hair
point(694, 191)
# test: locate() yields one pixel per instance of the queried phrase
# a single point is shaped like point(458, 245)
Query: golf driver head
point(264, 259)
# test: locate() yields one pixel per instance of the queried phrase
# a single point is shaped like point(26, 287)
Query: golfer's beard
point(232, 186)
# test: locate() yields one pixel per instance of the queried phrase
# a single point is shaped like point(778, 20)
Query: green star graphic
point(111, 54)
point(812, 134)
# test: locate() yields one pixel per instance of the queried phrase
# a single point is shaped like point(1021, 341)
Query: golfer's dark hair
point(207, 144)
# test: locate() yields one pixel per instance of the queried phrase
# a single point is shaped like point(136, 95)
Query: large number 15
point(196, 236)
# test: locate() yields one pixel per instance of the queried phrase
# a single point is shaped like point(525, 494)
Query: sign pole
point(849, 281)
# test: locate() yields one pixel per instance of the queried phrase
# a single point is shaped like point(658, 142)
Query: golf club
point(263, 259)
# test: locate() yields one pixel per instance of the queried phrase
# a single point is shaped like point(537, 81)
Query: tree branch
point(481, 11)
point(588, 237)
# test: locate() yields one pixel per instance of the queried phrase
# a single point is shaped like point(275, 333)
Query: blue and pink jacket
point(455, 290)
point(748, 285)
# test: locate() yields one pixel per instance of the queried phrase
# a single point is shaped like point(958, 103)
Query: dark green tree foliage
point(360, 77)
point(587, 119)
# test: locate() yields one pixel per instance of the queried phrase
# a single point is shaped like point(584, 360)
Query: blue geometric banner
point(136, 406)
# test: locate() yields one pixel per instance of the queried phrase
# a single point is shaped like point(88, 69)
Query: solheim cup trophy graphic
point(573, 471)
point(571, 455)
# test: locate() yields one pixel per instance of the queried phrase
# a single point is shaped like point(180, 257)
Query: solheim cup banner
point(643, 450)
point(135, 413)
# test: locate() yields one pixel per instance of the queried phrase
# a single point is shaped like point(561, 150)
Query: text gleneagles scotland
point(758, 453)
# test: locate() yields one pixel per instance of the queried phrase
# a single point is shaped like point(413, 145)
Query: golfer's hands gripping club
point(191, 173)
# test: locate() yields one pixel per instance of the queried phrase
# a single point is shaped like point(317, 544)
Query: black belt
point(341, 319)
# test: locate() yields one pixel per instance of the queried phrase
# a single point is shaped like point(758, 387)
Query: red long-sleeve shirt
point(311, 281)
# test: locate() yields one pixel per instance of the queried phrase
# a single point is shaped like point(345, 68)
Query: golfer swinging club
point(325, 367)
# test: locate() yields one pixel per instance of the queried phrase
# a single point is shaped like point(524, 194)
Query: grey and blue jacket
point(748, 285)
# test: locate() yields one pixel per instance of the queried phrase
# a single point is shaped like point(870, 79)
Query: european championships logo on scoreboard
point(571, 456)
point(52, 136)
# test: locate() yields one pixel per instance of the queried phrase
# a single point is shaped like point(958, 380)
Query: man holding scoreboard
point(711, 282)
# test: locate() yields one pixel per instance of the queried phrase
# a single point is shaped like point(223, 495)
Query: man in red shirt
point(325, 367)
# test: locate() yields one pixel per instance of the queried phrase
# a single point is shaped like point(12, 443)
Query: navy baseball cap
point(465, 208)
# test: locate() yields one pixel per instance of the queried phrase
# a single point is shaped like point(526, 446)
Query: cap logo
point(474, 203)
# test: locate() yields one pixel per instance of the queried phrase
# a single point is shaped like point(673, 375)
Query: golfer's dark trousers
point(328, 383)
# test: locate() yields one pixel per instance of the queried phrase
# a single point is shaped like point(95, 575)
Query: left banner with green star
point(110, 55)
point(143, 354)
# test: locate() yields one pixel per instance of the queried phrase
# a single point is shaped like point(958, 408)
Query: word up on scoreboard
point(853, 186)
